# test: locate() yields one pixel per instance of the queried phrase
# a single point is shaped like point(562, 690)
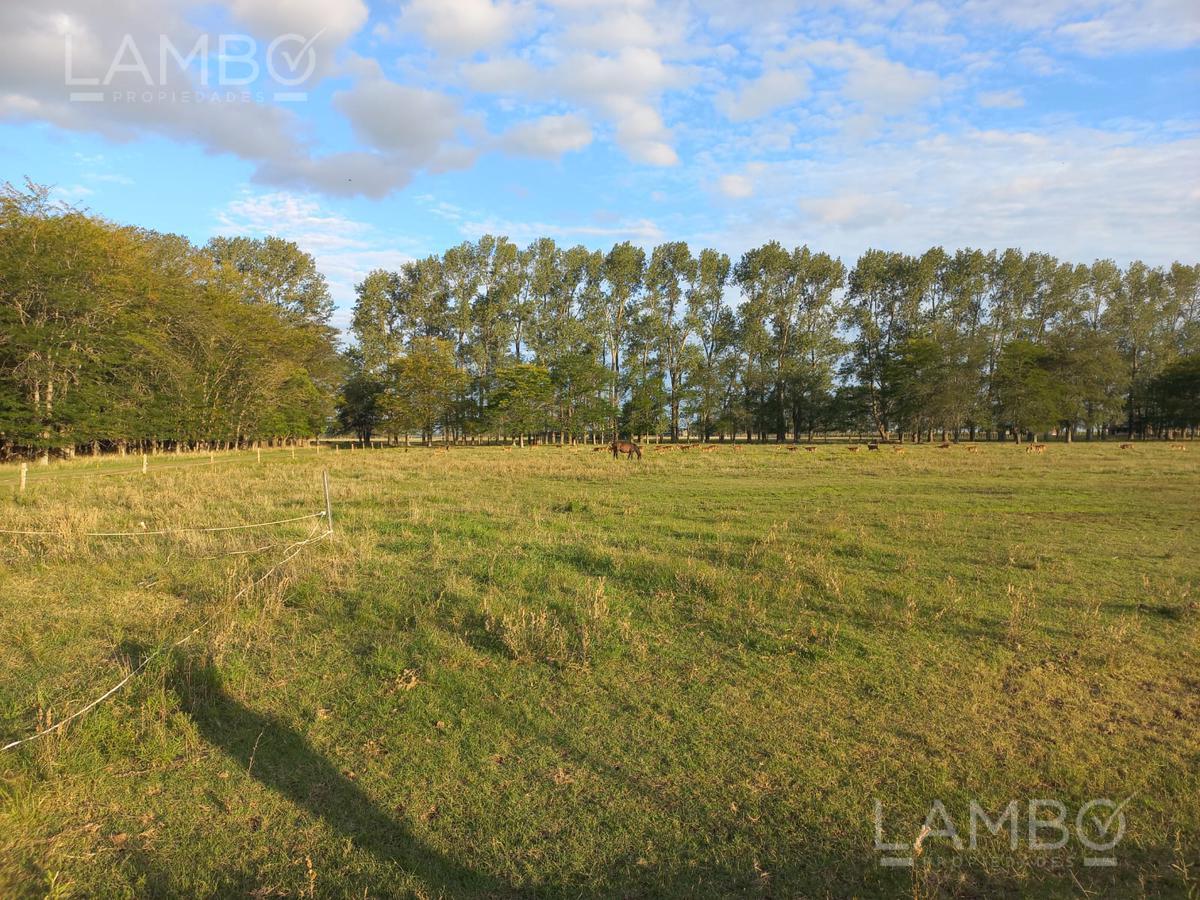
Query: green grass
point(548, 673)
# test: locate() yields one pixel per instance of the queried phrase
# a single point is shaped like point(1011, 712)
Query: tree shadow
point(277, 756)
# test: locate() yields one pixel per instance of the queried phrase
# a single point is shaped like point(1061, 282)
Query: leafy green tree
point(423, 386)
point(1176, 393)
point(65, 280)
point(523, 401)
point(1028, 397)
point(278, 272)
point(671, 271)
point(1135, 316)
point(711, 363)
point(360, 403)
point(623, 271)
point(121, 337)
point(883, 309)
point(915, 375)
point(377, 323)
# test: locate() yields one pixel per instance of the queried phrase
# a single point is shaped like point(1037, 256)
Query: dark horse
point(627, 447)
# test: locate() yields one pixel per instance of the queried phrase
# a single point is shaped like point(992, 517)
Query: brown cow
point(1036, 448)
point(854, 448)
point(810, 448)
point(944, 445)
point(1127, 446)
point(898, 450)
point(972, 449)
point(1178, 447)
point(629, 448)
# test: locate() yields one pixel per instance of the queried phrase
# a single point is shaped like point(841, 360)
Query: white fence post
point(328, 504)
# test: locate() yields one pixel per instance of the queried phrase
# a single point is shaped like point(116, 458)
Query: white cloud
point(472, 223)
point(772, 90)
point(1037, 61)
point(349, 174)
point(735, 186)
point(882, 86)
point(33, 49)
point(622, 89)
point(71, 193)
point(327, 24)
point(503, 75)
point(1140, 25)
point(860, 87)
point(1078, 193)
point(1098, 27)
point(464, 27)
point(33, 43)
point(345, 249)
point(411, 123)
point(853, 209)
point(632, 229)
point(548, 137)
point(1001, 100)
point(338, 19)
point(614, 27)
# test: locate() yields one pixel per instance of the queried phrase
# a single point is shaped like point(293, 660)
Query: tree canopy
point(113, 335)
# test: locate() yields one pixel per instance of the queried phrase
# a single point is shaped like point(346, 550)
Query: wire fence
point(291, 552)
point(23, 473)
point(162, 531)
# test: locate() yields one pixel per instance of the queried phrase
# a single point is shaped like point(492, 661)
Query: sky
point(373, 133)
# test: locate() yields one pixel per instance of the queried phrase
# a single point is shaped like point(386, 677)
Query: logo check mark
point(1107, 823)
point(294, 61)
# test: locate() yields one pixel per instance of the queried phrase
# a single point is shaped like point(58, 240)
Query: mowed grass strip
point(546, 672)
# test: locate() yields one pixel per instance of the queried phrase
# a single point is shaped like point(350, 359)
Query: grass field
point(545, 672)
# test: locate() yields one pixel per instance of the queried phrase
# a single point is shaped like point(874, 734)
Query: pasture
point(546, 672)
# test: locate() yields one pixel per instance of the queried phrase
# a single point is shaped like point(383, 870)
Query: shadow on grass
point(277, 756)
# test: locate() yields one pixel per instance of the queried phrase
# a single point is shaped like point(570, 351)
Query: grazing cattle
point(1127, 446)
point(874, 445)
point(972, 449)
point(810, 449)
point(1178, 447)
point(1036, 448)
point(792, 449)
point(854, 448)
point(708, 448)
point(897, 449)
point(629, 448)
point(598, 449)
point(944, 445)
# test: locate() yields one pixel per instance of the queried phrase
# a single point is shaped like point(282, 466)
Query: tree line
point(114, 338)
point(492, 341)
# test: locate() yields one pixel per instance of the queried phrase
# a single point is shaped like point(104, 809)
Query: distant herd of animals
point(629, 449)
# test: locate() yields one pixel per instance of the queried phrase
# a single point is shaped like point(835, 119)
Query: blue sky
point(1069, 126)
